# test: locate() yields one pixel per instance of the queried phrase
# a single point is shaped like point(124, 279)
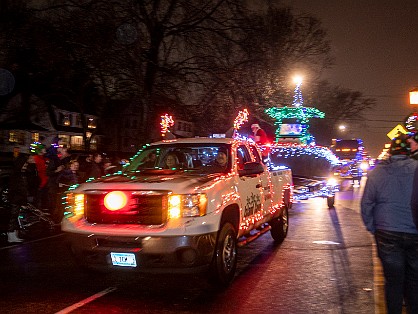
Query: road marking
point(86, 301)
point(326, 242)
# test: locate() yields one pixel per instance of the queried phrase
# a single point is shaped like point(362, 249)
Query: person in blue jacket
point(386, 213)
point(414, 199)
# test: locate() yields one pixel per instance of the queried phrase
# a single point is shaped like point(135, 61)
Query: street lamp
point(413, 97)
point(298, 79)
point(342, 127)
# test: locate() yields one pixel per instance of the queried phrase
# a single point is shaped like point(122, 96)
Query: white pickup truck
point(185, 217)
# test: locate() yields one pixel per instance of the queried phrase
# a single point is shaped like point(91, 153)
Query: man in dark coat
point(387, 214)
point(96, 169)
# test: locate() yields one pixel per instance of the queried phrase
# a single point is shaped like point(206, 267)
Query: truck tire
point(330, 201)
point(224, 262)
point(280, 226)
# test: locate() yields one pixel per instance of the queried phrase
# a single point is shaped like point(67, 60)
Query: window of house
point(65, 140)
point(93, 143)
point(17, 137)
point(78, 121)
point(76, 142)
point(91, 123)
point(61, 118)
point(35, 137)
point(66, 120)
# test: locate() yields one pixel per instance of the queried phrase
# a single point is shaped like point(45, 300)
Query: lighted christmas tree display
point(296, 116)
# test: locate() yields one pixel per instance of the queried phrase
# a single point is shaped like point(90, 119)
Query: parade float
point(314, 167)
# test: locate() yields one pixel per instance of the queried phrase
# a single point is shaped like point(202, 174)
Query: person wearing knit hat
point(413, 142)
point(400, 145)
point(387, 213)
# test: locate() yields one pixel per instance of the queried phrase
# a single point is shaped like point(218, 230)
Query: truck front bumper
point(176, 254)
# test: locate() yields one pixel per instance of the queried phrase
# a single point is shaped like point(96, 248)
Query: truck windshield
point(200, 158)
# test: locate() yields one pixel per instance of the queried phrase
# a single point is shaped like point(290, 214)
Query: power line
point(385, 96)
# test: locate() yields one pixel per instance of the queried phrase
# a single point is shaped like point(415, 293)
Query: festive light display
point(166, 122)
point(297, 98)
point(241, 118)
point(298, 113)
point(411, 122)
point(301, 114)
point(295, 150)
point(36, 147)
point(322, 164)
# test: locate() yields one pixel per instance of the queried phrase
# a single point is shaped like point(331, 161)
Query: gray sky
point(375, 43)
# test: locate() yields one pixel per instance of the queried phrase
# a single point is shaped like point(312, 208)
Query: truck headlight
point(332, 182)
point(186, 205)
point(75, 203)
point(364, 165)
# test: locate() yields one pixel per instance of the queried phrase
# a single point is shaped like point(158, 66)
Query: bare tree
point(207, 59)
point(339, 105)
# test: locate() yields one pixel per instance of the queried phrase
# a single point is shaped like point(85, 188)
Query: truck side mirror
point(251, 168)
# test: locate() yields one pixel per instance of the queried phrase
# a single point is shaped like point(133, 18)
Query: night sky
point(375, 44)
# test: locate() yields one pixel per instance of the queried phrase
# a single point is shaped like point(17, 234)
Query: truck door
point(265, 181)
point(250, 189)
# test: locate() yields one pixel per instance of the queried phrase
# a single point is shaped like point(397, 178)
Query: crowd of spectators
point(41, 177)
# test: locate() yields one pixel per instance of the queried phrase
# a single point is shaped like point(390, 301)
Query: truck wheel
point(280, 226)
point(330, 201)
point(224, 262)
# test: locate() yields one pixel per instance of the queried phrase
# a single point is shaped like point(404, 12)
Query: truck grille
point(146, 209)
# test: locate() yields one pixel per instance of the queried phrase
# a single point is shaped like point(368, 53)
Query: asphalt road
point(324, 266)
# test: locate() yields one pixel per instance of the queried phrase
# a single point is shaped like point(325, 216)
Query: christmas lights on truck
point(181, 205)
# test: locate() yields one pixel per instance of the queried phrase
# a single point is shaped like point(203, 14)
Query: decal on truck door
point(252, 205)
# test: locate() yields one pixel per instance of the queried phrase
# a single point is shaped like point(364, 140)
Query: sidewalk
point(379, 285)
point(379, 282)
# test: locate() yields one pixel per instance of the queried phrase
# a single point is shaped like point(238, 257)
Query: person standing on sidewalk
point(386, 213)
point(414, 199)
point(96, 168)
point(18, 195)
point(413, 142)
point(41, 163)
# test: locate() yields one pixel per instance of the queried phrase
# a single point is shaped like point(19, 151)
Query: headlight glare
point(187, 205)
point(74, 203)
point(332, 182)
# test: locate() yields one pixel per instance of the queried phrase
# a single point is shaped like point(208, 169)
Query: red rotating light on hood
point(115, 200)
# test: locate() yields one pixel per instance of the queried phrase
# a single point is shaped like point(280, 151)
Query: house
point(122, 123)
point(18, 129)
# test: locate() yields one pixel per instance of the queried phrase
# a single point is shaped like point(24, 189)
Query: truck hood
point(179, 182)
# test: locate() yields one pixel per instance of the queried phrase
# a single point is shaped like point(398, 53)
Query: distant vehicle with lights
point(351, 153)
point(186, 218)
point(312, 167)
